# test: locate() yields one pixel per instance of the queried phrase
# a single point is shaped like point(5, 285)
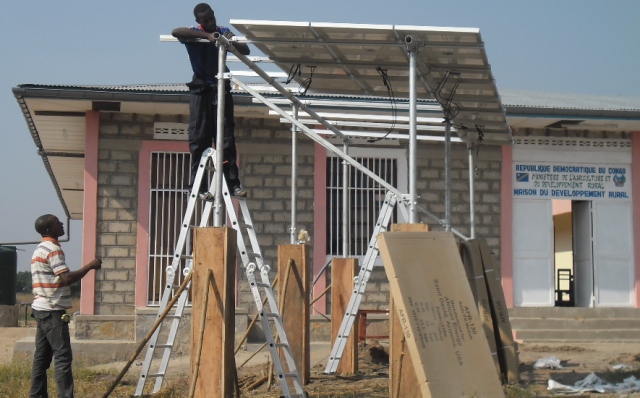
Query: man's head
point(48, 225)
point(205, 17)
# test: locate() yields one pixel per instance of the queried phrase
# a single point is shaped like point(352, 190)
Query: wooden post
point(401, 370)
point(343, 272)
point(214, 249)
point(295, 312)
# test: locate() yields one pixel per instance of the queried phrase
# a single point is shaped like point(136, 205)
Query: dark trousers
point(203, 111)
point(52, 340)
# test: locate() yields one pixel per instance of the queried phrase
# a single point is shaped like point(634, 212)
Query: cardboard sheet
point(439, 315)
point(506, 345)
point(472, 260)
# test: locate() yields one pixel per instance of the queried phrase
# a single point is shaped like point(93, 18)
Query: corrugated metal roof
point(549, 100)
point(510, 97)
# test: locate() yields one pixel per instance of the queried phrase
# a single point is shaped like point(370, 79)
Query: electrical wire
point(304, 87)
point(392, 101)
point(295, 69)
point(451, 109)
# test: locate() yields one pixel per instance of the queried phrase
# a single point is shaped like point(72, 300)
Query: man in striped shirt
point(51, 279)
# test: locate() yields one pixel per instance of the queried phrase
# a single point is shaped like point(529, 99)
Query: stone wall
point(265, 169)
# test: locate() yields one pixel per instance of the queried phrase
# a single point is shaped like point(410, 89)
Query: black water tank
point(8, 270)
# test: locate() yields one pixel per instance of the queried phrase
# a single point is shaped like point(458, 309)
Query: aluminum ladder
point(250, 260)
point(360, 283)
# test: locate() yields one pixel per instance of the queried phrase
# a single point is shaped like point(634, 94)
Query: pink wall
point(319, 224)
point(506, 224)
point(144, 181)
point(635, 204)
point(90, 210)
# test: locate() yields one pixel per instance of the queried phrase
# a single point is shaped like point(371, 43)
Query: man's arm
point(183, 34)
point(70, 277)
point(243, 48)
point(188, 33)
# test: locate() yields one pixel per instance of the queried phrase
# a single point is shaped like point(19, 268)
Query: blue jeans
point(52, 340)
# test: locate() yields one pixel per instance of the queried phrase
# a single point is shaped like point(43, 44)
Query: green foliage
point(23, 282)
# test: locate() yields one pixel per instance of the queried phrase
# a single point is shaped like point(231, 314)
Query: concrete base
point(85, 352)
point(538, 324)
point(104, 327)
point(9, 316)
point(96, 338)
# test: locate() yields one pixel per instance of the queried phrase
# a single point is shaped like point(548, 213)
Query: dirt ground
point(577, 360)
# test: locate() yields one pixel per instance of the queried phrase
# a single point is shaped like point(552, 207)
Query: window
point(169, 188)
point(365, 197)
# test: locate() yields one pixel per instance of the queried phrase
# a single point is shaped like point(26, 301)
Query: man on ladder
point(203, 100)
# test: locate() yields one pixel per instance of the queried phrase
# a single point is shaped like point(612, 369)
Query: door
point(533, 256)
point(613, 254)
point(583, 253)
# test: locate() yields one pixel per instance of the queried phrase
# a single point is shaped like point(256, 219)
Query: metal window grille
point(365, 200)
point(169, 188)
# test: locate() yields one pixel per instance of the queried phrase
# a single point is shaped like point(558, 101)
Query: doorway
point(573, 253)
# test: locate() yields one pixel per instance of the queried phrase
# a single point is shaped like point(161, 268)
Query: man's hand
point(95, 264)
point(67, 278)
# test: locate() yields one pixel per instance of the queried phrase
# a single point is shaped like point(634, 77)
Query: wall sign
point(571, 181)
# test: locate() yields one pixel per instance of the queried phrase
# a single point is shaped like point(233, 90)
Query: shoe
point(239, 192)
point(206, 196)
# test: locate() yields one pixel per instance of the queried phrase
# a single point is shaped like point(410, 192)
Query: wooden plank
point(507, 347)
point(472, 260)
point(343, 272)
point(438, 315)
point(214, 249)
point(402, 376)
point(295, 312)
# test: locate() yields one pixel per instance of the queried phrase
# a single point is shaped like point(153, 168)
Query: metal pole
point(413, 141)
point(472, 191)
point(294, 173)
point(346, 249)
point(317, 138)
point(272, 81)
point(447, 174)
point(218, 218)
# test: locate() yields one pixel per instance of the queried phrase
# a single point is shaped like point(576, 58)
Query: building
point(118, 159)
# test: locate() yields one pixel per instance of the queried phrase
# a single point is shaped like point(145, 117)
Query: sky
point(569, 46)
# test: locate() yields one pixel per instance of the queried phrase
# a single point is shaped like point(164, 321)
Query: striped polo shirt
point(46, 264)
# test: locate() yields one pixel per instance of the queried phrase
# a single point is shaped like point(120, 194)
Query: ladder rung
point(245, 225)
point(166, 345)
point(187, 256)
point(287, 375)
point(272, 315)
point(261, 284)
point(155, 375)
point(253, 254)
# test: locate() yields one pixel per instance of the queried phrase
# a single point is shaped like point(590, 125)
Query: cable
point(292, 73)
point(450, 108)
point(480, 137)
point(304, 87)
point(392, 101)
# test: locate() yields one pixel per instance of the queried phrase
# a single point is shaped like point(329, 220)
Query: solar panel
point(350, 59)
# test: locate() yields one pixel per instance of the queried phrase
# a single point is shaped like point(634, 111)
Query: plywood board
point(295, 310)
point(343, 272)
point(507, 347)
point(214, 249)
point(439, 318)
point(402, 376)
point(472, 260)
